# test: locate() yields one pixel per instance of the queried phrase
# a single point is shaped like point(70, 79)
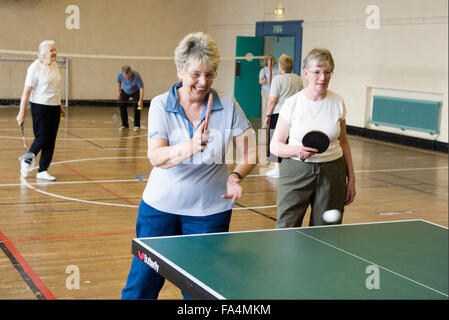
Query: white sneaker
point(25, 168)
point(136, 128)
point(273, 173)
point(44, 175)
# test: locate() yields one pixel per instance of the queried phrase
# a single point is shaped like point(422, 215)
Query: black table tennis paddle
point(317, 140)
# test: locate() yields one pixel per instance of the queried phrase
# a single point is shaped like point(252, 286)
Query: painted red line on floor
point(87, 178)
point(27, 268)
point(99, 185)
point(73, 236)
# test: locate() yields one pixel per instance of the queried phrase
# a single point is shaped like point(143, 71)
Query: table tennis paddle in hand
point(208, 111)
point(317, 140)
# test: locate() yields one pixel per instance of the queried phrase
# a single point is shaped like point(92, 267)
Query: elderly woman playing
point(190, 190)
point(325, 181)
point(43, 90)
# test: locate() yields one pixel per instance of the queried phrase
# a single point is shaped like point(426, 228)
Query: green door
point(246, 84)
point(283, 45)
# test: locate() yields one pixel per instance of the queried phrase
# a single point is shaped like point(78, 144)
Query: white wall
point(107, 27)
point(409, 52)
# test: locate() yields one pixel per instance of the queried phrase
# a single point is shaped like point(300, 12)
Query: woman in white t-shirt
point(43, 90)
point(326, 180)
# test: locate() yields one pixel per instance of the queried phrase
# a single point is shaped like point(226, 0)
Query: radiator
point(420, 115)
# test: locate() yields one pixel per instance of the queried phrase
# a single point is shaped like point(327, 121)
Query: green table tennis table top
point(386, 260)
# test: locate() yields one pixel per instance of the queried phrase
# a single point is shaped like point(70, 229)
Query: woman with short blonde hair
point(284, 85)
point(199, 48)
point(286, 63)
point(190, 191)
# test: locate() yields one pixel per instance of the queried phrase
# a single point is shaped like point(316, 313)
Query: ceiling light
point(279, 11)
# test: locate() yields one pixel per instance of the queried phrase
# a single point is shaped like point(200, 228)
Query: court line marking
point(143, 157)
point(372, 263)
point(260, 207)
point(74, 199)
point(410, 187)
point(102, 158)
point(397, 170)
point(30, 185)
point(75, 139)
point(130, 204)
point(376, 170)
point(300, 228)
point(73, 236)
point(31, 278)
point(67, 182)
point(246, 231)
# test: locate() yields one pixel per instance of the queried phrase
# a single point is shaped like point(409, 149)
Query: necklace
point(319, 106)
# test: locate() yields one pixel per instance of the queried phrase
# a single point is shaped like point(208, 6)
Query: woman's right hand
point(199, 140)
point(20, 118)
point(23, 103)
point(306, 152)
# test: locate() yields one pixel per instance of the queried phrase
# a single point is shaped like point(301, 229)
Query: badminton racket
point(29, 157)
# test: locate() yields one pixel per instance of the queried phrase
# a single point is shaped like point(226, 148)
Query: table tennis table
point(385, 260)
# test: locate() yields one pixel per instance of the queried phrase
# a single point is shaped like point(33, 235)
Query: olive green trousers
point(320, 185)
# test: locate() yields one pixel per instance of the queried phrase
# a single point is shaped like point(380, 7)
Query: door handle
point(237, 69)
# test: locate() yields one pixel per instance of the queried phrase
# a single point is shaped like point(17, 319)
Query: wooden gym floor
point(82, 224)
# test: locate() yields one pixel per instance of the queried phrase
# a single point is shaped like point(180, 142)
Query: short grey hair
point(319, 57)
point(197, 47)
point(43, 47)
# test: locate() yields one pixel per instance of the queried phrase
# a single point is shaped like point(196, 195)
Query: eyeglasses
point(209, 76)
point(317, 74)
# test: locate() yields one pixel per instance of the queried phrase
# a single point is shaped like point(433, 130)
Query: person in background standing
point(265, 77)
point(283, 86)
point(130, 85)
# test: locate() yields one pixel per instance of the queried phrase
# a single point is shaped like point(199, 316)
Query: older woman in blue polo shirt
point(190, 189)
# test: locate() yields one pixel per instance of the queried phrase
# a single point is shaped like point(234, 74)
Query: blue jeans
point(145, 283)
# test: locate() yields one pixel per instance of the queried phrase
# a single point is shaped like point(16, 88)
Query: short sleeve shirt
point(133, 84)
point(265, 73)
point(283, 86)
point(325, 115)
point(193, 187)
point(46, 83)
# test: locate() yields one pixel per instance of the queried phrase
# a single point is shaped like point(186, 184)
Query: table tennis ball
point(331, 216)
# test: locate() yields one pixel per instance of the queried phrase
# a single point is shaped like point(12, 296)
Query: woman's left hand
point(350, 192)
point(233, 188)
